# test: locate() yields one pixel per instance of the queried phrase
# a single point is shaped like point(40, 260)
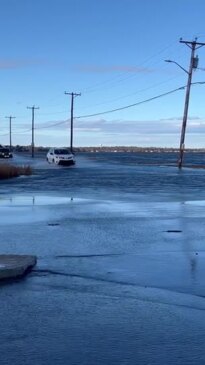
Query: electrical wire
point(52, 125)
point(131, 105)
point(115, 78)
point(138, 103)
point(14, 133)
point(134, 93)
point(53, 113)
point(26, 131)
point(110, 111)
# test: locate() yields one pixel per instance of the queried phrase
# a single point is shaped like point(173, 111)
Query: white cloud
point(161, 132)
point(161, 126)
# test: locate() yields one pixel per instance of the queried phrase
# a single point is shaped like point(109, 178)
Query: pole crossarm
point(190, 43)
point(33, 107)
point(75, 94)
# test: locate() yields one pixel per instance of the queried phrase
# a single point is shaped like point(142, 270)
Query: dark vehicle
point(5, 153)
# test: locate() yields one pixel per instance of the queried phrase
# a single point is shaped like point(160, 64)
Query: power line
point(36, 128)
point(134, 93)
point(116, 77)
point(14, 133)
point(26, 131)
point(52, 113)
point(104, 112)
point(51, 125)
point(138, 103)
point(131, 105)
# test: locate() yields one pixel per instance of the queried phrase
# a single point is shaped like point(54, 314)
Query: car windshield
point(61, 152)
point(4, 150)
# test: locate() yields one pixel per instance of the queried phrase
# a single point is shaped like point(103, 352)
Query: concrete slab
point(15, 266)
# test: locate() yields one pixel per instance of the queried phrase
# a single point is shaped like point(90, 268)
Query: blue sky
point(110, 51)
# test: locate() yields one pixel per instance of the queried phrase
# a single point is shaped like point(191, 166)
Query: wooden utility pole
point(193, 65)
point(10, 139)
point(32, 143)
point(71, 117)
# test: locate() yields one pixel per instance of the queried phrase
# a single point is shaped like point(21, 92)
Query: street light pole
point(186, 106)
point(193, 65)
point(176, 63)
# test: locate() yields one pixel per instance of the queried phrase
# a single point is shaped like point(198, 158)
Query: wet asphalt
point(120, 274)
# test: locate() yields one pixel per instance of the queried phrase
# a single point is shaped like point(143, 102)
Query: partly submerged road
point(120, 274)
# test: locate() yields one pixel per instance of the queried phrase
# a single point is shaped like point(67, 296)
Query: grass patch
point(9, 171)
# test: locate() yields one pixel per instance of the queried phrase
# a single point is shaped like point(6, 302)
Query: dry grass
point(9, 171)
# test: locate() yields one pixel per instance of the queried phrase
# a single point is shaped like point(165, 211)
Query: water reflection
point(32, 200)
point(187, 244)
point(193, 263)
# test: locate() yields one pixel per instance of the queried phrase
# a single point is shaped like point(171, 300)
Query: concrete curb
point(15, 266)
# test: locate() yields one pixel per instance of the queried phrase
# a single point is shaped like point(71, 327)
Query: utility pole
point(33, 108)
point(10, 141)
point(71, 118)
point(193, 65)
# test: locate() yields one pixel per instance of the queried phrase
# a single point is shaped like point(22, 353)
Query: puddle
point(20, 209)
point(35, 200)
point(196, 202)
point(41, 207)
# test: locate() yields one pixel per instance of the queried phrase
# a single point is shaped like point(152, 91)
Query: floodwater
point(121, 262)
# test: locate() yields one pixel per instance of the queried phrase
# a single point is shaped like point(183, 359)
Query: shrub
point(9, 171)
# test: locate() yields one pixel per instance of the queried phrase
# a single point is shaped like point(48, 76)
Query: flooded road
point(120, 274)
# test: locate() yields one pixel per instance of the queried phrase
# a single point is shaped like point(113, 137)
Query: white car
point(60, 156)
